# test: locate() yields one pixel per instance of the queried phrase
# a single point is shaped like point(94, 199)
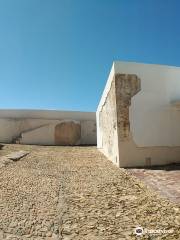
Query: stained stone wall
point(108, 125)
point(126, 86)
point(62, 132)
point(68, 133)
point(113, 118)
point(47, 127)
point(136, 124)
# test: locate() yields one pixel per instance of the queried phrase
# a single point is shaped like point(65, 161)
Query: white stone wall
point(101, 103)
point(154, 122)
point(40, 129)
point(8, 129)
point(154, 134)
point(43, 135)
point(88, 132)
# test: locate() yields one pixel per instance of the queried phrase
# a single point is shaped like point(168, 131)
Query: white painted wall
point(153, 120)
point(42, 135)
point(37, 126)
point(11, 128)
point(88, 132)
point(101, 102)
point(45, 114)
point(8, 129)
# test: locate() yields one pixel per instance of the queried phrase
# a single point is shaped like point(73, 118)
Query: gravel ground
point(76, 193)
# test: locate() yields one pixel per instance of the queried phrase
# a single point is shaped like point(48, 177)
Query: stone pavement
point(76, 193)
point(163, 179)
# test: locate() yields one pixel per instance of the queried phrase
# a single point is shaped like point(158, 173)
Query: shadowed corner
point(1, 146)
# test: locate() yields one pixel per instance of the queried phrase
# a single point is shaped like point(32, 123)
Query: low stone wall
point(45, 131)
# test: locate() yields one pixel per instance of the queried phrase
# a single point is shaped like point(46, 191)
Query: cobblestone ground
point(163, 179)
point(76, 193)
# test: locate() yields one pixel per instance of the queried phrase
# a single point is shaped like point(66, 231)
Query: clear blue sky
point(57, 54)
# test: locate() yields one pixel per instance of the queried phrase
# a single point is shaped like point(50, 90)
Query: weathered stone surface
point(108, 125)
point(76, 193)
point(37, 126)
point(126, 86)
point(67, 133)
point(114, 115)
point(17, 155)
point(124, 133)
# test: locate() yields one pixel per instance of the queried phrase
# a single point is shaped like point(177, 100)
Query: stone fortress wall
point(137, 118)
point(47, 127)
point(138, 115)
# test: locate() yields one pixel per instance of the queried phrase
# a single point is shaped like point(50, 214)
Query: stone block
point(67, 133)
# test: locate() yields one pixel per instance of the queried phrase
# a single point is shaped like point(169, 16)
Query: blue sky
point(57, 54)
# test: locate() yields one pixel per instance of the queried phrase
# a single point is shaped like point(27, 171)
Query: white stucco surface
point(38, 126)
point(88, 132)
point(43, 135)
point(154, 116)
point(101, 102)
point(153, 120)
point(45, 114)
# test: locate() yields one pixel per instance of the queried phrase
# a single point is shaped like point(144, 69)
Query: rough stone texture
point(115, 136)
point(126, 86)
point(114, 114)
point(108, 125)
point(67, 133)
point(76, 193)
